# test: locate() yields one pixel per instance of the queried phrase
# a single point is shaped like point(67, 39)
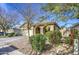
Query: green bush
point(54, 37)
point(57, 37)
point(11, 34)
point(75, 34)
point(38, 42)
point(49, 35)
point(67, 40)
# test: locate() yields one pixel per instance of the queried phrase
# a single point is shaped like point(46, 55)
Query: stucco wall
point(25, 32)
point(77, 27)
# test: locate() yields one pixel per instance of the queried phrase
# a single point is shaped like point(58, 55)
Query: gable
point(76, 27)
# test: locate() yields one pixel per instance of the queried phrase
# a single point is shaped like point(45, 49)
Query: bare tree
point(7, 21)
point(3, 24)
point(28, 15)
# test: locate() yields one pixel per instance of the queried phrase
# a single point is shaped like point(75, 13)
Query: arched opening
point(37, 30)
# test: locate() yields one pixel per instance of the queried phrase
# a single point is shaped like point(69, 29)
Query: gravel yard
point(24, 46)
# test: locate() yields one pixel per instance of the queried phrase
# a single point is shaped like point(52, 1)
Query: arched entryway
point(37, 30)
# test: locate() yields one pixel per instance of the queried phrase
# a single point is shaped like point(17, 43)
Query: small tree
point(49, 35)
point(75, 32)
point(38, 42)
point(7, 20)
point(57, 36)
point(28, 16)
point(4, 24)
point(54, 37)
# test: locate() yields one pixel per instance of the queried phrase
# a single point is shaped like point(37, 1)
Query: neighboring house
point(1, 29)
point(66, 32)
point(10, 31)
point(17, 31)
point(75, 27)
point(39, 28)
point(14, 30)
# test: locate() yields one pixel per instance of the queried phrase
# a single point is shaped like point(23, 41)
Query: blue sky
point(36, 8)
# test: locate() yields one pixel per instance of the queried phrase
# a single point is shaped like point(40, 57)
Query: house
point(75, 27)
point(10, 31)
point(1, 29)
point(41, 28)
point(65, 32)
point(14, 30)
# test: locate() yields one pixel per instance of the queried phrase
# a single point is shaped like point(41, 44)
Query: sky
point(9, 7)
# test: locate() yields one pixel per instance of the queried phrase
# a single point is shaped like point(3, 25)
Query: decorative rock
point(75, 46)
point(63, 49)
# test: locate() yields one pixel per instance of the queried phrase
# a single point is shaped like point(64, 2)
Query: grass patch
point(3, 36)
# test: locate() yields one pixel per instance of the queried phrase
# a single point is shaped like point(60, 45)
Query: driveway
point(6, 49)
point(9, 40)
point(9, 50)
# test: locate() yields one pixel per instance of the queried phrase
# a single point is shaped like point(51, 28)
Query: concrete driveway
point(9, 40)
point(9, 50)
point(6, 49)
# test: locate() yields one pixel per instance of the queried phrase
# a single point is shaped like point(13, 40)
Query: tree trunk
point(4, 32)
point(28, 33)
point(72, 38)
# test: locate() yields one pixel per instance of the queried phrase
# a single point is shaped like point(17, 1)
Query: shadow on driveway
point(6, 50)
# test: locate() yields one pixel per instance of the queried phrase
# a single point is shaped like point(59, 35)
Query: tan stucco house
point(65, 32)
point(39, 28)
point(76, 27)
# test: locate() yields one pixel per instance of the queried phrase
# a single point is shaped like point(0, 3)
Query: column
point(33, 28)
point(51, 27)
point(41, 29)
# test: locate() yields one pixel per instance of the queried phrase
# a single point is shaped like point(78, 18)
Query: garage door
point(25, 32)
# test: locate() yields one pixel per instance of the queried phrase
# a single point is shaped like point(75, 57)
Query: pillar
point(51, 27)
point(33, 28)
point(41, 29)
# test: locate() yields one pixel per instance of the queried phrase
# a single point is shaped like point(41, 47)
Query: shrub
point(54, 37)
point(11, 34)
point(57, 37)
point(49, 35)
point(75, 34)
point(67, 40)
point(38, 42)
